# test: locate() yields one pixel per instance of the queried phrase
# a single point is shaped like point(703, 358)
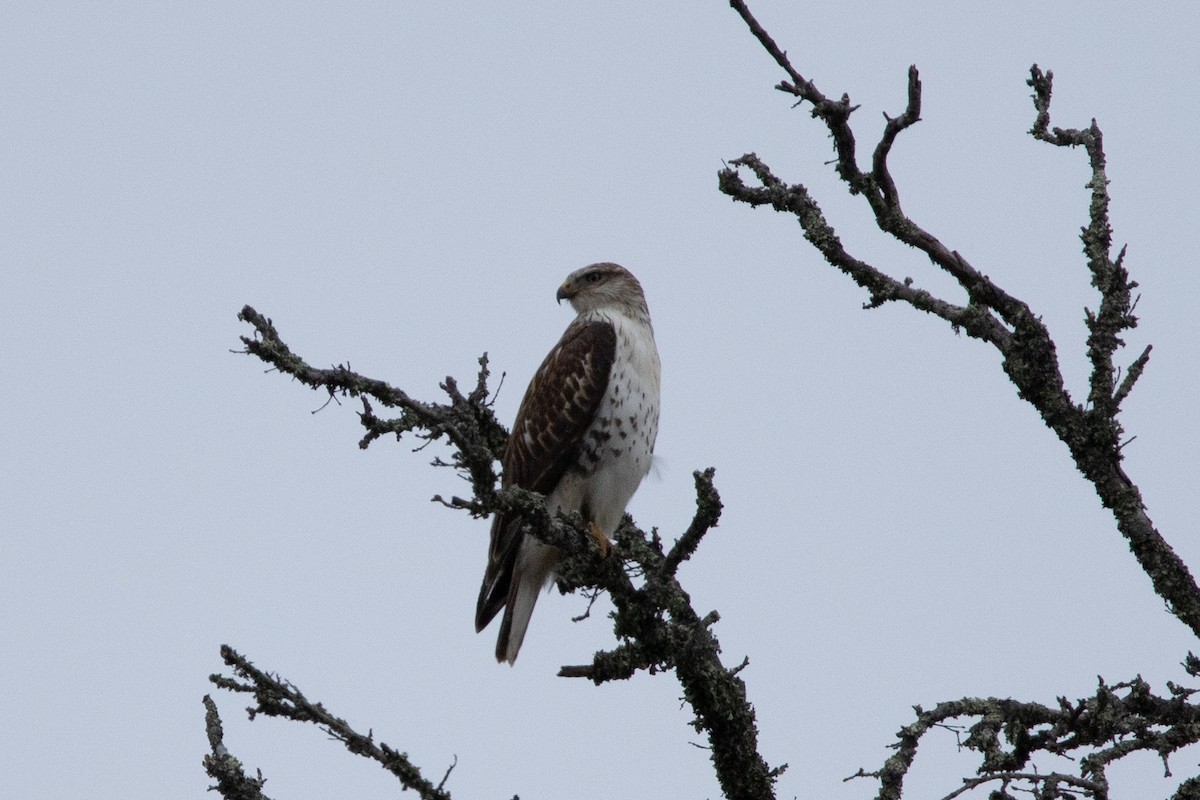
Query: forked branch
point(276, 697)
point(1009, 735)
point(655, 624)
point(1120, 719)
point(1090, 430)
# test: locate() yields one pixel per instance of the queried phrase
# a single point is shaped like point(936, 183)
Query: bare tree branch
point(275, 697)
point(657, 628)
point(708, 511)
point(467, 421)
point(1118, 720)
point(1039, 785)
point(222, 767)
point(910, 117)
point(1108, 276)
point(1091, 431)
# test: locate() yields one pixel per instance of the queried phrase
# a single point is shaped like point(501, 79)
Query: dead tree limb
point(1090, 429)
point(276, 697)
point(655, 624)
point(1121, 718)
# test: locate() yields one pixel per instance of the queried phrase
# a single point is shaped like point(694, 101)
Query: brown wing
point(558, 406)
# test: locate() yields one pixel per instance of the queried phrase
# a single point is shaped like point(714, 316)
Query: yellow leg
point(601, 539)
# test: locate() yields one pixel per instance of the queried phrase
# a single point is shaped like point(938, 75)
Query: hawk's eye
point(594, 277)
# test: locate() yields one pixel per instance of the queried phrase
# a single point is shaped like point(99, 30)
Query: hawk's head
point(604, 285)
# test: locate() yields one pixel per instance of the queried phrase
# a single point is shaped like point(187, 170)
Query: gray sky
point(403, 186)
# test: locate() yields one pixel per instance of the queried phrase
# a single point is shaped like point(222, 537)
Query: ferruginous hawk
point(584, 437)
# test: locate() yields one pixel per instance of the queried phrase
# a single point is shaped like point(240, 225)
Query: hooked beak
point(565, 292)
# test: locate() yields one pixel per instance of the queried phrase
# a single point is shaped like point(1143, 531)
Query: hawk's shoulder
point(559, 405)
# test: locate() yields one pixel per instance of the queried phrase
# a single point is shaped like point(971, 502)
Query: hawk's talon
point(601, 540)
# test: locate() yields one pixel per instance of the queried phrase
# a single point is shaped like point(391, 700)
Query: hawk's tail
point(534, 568)
point(516, 620)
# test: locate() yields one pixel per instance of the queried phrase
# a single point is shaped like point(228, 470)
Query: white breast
point(618, 446)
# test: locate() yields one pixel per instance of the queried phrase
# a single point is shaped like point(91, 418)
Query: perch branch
point(467, 420)
point(655, 624)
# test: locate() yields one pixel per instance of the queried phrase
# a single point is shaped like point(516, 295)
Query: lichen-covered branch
point(657, 628)
point(660, 630)
point(276, 697)
point(1118, 720)
point(1091, 429)
point(975, 318)
point(466, 421)
point(223, 767)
